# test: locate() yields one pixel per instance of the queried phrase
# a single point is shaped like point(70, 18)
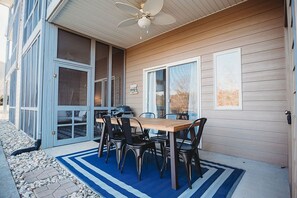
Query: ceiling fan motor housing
point(144, 22)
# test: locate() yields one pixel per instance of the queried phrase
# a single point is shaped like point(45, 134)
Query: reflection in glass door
point(73, 108)
point(183, 90)
point(174, 89)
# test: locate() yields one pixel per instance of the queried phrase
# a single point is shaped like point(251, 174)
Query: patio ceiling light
point(144, 22)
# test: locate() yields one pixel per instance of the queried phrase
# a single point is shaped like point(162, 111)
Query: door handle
point(289, 119)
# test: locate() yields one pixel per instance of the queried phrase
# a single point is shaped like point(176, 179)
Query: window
point(12, 99)
point(29, 89)
point(13, 36)
point(72, 87)
point(73, 47)
point(109, 80)
point(32, 17)
point(227, 76)
point(117, 77)
point(101, 76)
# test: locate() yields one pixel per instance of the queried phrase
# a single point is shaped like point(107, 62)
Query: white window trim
point(167, 66)
point(215, 55)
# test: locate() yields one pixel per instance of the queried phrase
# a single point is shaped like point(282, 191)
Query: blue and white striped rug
point(105, 179)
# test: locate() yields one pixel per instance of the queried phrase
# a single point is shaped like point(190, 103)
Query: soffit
point(99, 18)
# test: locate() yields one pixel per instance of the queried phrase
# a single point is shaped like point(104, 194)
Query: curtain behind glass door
point(156, 92)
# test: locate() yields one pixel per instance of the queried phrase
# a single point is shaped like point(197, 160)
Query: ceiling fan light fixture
point(144, 22)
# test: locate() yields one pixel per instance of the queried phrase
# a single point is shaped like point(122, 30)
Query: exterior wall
point(2, 66)
point(291, 58)
point(1, 78)
point(12, 65)
point(259, 131)
point(25, 26)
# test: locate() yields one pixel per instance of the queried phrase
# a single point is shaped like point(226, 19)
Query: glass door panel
point(183, 90)
point(156, 92)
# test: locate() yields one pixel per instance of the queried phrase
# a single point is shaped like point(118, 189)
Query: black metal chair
point(115, 137)
point(188, 149)
point(147, 115)
point(136, 144)
point(161, 137)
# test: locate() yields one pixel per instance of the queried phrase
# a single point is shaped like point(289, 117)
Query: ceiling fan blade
point(127, 22)
point(137, 3)
point(153, 6)
point(128, 8)
point(163, 19)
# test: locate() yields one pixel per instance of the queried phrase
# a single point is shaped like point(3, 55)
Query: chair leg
point(164, 163)
point(155, 152)
point(139, 167)
point(121, 151)
point(107, 152)
point(197, 163)
point(139, 159)
point(162, 148)
point(118, 146)
point(187, 161)
point(123, 163)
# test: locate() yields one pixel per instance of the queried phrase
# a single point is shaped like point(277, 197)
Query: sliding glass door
point(174, 89)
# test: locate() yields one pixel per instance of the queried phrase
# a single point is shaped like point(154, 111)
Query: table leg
point(173, 160)
point(102, 140)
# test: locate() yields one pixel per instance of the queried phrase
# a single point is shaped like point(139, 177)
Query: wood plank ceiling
point(99, 18)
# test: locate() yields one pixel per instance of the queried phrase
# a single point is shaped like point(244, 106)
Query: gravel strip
point(11, 140)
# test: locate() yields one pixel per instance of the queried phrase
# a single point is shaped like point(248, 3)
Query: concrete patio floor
point(260, 179)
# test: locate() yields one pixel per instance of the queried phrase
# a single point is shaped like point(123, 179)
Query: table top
point(158, 123)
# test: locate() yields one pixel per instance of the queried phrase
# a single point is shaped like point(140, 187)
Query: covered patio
point(157, 64)
point(254, 128)
point(230, 61)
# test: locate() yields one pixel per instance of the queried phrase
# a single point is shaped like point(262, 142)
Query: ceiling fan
point(144, 13)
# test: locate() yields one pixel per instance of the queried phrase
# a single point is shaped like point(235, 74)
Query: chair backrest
point(147, 115)
point(171, 116)
point(127, 130)
point(196, 136)
point(177, 116)
point(108, 125)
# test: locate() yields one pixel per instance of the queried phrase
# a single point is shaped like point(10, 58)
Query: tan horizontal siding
point(265, 105)
point(258, 131)
point(246, 153)
point(251, 135)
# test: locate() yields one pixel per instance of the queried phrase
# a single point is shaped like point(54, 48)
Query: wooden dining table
point(172, 126)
